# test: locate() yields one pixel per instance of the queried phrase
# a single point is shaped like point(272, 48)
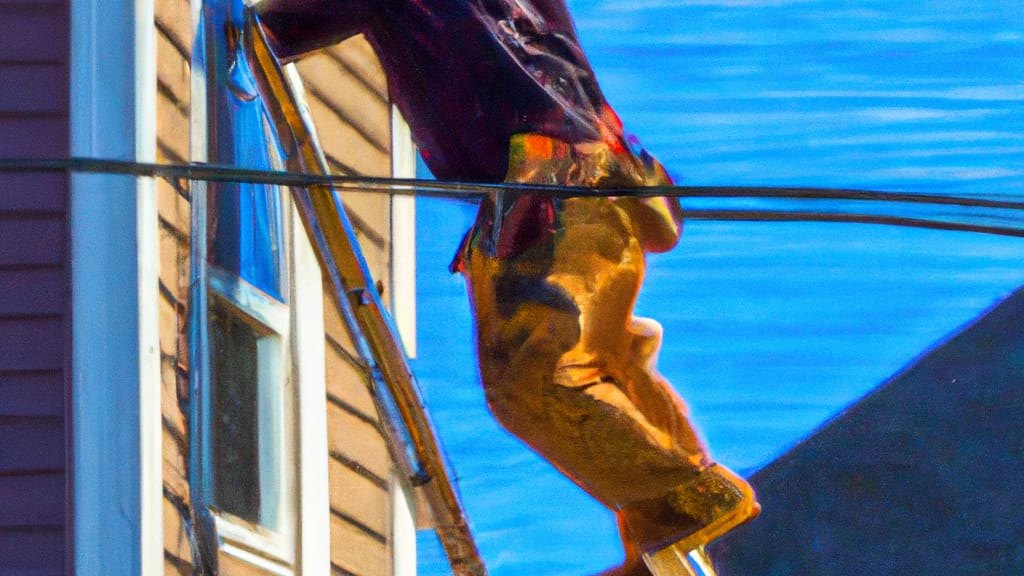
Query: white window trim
point(403, 310)
point(403, 528)
point(309, 377)
point(309, 357)
point(115, 352)
point(403, 235)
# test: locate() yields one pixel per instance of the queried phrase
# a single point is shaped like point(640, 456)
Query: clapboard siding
point(36, 137)
point(32, 241)
point(177, 543)
point(172, 127)
point(360, 463)
point(354, 551)
point(359, 59)
point(174, 377)
point(358, 467)
point(362, 156)
point(32, 344)
point(24, 393)
point(31, 445)
point(346, 374)
point(357, 100)
point(347, 94)
point(33, 89)
point(32, 537)
point(35, 32)
point(34, 320)
point(173, 45)
point(32, 550)
point(32, 291)
point(361, 499)
point(38, 508)
point(31, 192)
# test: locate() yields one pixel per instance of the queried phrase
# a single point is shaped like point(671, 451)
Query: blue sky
point(771, 329)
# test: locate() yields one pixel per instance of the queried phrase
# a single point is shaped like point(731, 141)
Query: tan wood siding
point(347, 94)
point(360, 463)
point(355, 131)
point(173, 45)
point(354, 551)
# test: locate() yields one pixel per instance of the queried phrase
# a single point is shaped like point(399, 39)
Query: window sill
point(253, 545)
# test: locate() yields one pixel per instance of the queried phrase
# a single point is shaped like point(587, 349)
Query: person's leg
point(615, 363)
point(570, 371)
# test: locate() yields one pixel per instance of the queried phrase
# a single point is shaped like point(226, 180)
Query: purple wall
point(34, 315)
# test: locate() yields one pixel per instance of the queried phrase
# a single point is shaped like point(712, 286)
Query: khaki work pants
point(566, 366)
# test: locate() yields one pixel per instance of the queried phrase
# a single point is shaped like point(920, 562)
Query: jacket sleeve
point(297, 27)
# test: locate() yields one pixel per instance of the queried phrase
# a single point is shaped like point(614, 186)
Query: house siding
point(347, 95)
point(346, 90)
point(173, 45)
point(359, 465)
point(355, 132)
point(34, 311)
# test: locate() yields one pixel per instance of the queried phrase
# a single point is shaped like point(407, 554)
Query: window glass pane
point(235, 375)
point(245, 219)
point(246, 420)
point(246, 234)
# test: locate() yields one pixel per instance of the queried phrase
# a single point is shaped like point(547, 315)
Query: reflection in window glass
point(245, 219)
point(244, 462)
point(245, 223)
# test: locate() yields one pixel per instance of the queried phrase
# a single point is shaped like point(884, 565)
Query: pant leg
point(567, 368)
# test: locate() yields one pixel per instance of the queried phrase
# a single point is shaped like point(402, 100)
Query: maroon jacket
point(466, 74)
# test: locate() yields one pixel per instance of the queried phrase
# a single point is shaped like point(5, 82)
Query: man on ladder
point(500, 90)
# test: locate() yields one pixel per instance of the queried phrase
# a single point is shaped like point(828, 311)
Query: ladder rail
point(334, 241)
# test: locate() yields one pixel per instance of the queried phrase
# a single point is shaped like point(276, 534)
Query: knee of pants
point(647, 337)
point(518, 354)
point(534, 334)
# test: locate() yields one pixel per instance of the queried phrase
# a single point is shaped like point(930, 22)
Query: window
point(259, 463)
point(246, 331)
point(245, 326)
point(248, 396)
point(259, 460)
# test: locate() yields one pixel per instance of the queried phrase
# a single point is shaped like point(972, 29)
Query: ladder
point(672, 561)
point(412, 436)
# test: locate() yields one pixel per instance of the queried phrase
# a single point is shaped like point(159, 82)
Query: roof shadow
point(925, 475)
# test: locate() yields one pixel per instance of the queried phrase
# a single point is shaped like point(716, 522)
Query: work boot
point(692, 514)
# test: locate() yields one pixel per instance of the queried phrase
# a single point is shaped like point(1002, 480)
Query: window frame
point(306, 363)
point(305, 548)
point(273, 549)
